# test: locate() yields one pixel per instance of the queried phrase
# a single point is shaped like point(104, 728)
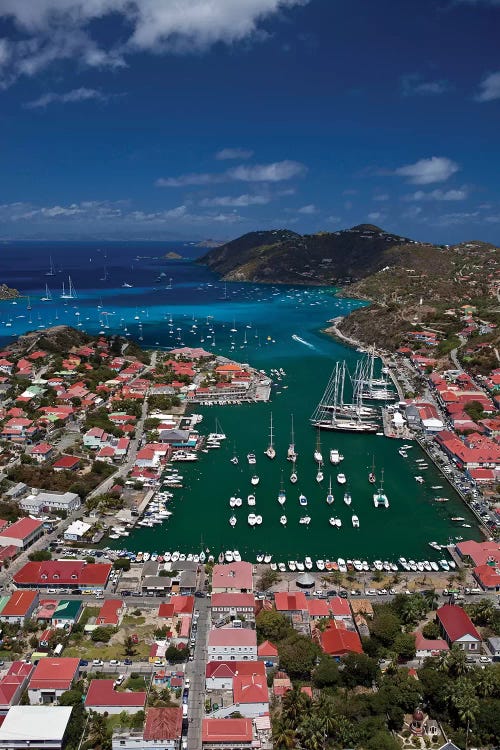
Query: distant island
point(409, 284)
point(8, 293)
point(172, 256)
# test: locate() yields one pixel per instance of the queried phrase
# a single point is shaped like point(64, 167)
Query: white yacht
point(293, 475)
point(319, 474)
point(320, 564)
point(347, 498)
point(302, 499)
point(379, 497)
point(341, 478)
point(251, 499)
point(282, 493)
point(292, 453)
point(355, 522)
point(318, 456)
point(308, 563)
point(251, 458)
point(270, 450)
point(334, 456)
point(283, 520)
point(305, 520)
point(252, 519)
point(255, 480)
point(258, 520)
point(329, 497)
point(233, 520)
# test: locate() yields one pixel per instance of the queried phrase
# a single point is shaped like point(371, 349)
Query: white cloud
point(437, 195)
point(427, 171)
point(413, 212)
point(374, 215)
point(458, 217)
point(233, 153)
point(414, 85)
point(333, 219)
point(236, 200)
point(382, 197)
point(489, 88)
point(51, 30)
point(275, 172)
point(308, 210)
point(76, 95)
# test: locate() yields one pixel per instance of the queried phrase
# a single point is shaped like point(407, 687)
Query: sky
point(191, 119)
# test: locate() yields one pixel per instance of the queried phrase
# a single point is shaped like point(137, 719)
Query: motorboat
point(300, 566)
point(255, 480)
point(233, 520)
point(283, 520)
point(238, 502)
point(260, 557)
point(318, 456)
point(355, 522)
point(293, 475)
point(228, 555)
point(252, 519)
point(251, 458)
point(320, 564)
point(302, 499)
point(347, 498)
point(329, 497)
point(282, 567)
point(292, 565)
point(282, 493)
point(258, 520)
point(251, 499)
point(305, 520)
point(232, 502)
point(308, 563)
point(236, 556)
point(341, 478)
point(267, 558)
point(334, 456)
point(319, 474)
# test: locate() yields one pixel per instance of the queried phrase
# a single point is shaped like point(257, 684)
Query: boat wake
point(302, 341)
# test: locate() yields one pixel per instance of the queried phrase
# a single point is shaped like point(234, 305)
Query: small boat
point(267, 558)
point(305, 520)
point(347, 498)
point(175, 556)
point(252, 519)
point(293, 475)
point(221, 558)
point(255, 480)
point(318, 456)
point(251, 458)
point(434, 545)
point(232, 521)
point(308, 563)
point(319, 474)
point(291, 453)
point(419, 479)
point(320, 564)
point(341, 478)
point(334, 456)
point(251, 499)
point(236, 556)
point(274, 566)
point(258, 520)
point(302, 499)
point(228, 555)
point(300, 566)
point(260, 557)
point(283, 520)
point(437, 487)
point(127, 286)
point(234, 460)
point(371, 476)
point(329, 497)
point(457, 518)
point(270, 450)
point(232, 502)
point(355, 522)
point(281, 493)
point(282, 567)
point(292, 565)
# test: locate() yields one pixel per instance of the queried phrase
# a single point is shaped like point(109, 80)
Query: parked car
point(83, 663)
point(127, 662)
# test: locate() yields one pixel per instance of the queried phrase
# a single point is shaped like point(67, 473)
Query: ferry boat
point(379, 497)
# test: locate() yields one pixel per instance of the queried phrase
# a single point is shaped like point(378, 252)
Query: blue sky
point(209, 118)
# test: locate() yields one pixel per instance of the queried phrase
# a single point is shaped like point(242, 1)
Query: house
point(479, 553)
point(19, 607)
point(457, 628)
point(232, 578)
point(74, 574)
point(110, 612)
point(429, 647)
point(340, 608)
point(488, 576)
point(219, 675)
point(22, 533)
point(250, 695)
point(13, 685)
point(35, 727)
point(163, 727)
point(41, 501)
point(103, 698)
point(281, 684)
point(66, 463)
point(291, 604)
point(51, 678)
point(232, 605)
point(77, 530)
point(61, 614)
point(223, 734)
point(41, 452)
point(493, 644)
point(337, 641)
point(232, 644)
point(267, 651)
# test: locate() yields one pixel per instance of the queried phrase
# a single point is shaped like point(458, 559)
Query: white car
point(485, 659)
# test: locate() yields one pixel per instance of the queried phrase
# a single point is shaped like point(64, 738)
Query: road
point(195, 670)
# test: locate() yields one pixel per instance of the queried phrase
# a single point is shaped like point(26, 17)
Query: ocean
point(270, 327)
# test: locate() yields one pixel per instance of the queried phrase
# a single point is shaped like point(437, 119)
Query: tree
point(475, 410)
point(272, 626)
point(382, 741)
point(454, 662)
point(71, 698)
point(404, 646)
point(176, 655)
point(326, 673)
point(122, 563)
point(294, 706)
point(40, 555)
point(431, 630)
point(385, 627)
point(462, 697)
point(283, 737)
point(103, 633)
point(359, 669)
point(268, 578)
point(482, 612)
point(128, 646)
point(298, 655)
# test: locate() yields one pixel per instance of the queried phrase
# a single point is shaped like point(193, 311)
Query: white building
point(232, 644)
point(35, 727)
point(39, 501)
point(76, 530)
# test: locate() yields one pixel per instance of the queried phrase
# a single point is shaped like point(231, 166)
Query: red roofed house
point(336, 640)
point(219, 675)
point(13, 685)
point(488, 577)
point(250, 695)
point(232, 605)
point(267, 651)
point(66, 463)
point(163, 728)
point(217, 734)
point(291, 604)
point(340, 608)
point(110, 612)
point(318, 608)
point(41, 452)
point(22, 533)
point(281, 684)
point(479, 553)
point(426, 647)
point(457, 627)
point(51, 678)
point(232, 644)
point(19, 607)
point(75, 574)
point(103, 698)
point(233, 578)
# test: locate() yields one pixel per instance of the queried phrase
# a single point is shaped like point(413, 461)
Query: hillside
point(282, 256)
point(7, 293)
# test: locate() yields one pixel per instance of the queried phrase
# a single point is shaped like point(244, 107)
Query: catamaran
point(71, 293)
point(329, 497)
point(270, 450)
point(292, 453)
point(379, 497)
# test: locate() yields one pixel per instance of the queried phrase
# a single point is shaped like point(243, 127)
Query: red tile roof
point(22, 529)
point(66, 462)
point(54, 674)
point(250, 689)
point(338, 641)
point(109, 612)
point(163, 724)
point(102, 693)
point(427, 644)
point(19, 604)
point(228, 669)
point(227, 730)
point(236, 575)
point(290, 602)
point(487, 576)
point(456, 622)
point(318, 608)
point(340, 607)
point(232, 637)
point(234, 600)
point(267, 648)
point(63, 572)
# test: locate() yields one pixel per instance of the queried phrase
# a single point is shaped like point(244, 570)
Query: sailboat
point(48, 295)
point(329, 497)
point(319, 473)
point(281, 493)
point(379, 497)
point(28, 306)
point(317, 453)
point(293, 475)
point(333, 414)
point(270, 450)
point(371, 476)
point(70, 294)
point(50, 272)
point(292, 453)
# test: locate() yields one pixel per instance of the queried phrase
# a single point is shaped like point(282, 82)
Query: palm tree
point(462, 697)
point(311, 733)
point(294, 705)
point(482, 611)
point(283, 738)
point(454, 662)
point(486, 682)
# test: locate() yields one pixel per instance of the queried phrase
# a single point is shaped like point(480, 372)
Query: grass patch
point(133, 620)
point(87, 614)
point(136, 684)
point(87, 650)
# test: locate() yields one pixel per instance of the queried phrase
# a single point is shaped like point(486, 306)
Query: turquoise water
point(267, 317)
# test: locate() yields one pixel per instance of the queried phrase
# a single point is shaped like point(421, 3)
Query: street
point(195, 670)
